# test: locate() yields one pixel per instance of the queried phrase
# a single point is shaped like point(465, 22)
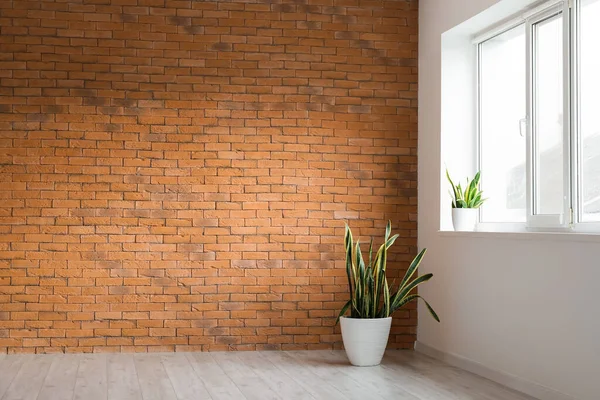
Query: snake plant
point(470, 197)
point(370, 294)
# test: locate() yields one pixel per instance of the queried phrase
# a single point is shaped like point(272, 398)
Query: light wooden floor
point(266, 375)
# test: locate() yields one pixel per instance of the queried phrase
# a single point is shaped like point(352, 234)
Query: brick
point(177, 177)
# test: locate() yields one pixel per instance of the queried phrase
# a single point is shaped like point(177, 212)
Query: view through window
point(502, 107)
point(527, 143)
point(589, 105)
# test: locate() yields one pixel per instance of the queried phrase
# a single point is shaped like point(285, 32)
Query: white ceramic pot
point(464, 219)
point(365, 339)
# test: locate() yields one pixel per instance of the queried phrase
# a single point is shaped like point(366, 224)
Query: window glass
point(502, 132)
point(589, 106)
point(548, 90)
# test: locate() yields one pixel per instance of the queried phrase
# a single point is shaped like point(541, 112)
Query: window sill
point(526, 235)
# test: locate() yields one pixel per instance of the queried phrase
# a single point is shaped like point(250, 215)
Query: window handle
point(523, 127)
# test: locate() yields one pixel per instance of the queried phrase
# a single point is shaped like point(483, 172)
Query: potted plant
point(372, 301)
point(465, 203)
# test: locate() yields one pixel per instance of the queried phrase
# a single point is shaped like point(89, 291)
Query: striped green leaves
point(370, 294)
point(470, 197)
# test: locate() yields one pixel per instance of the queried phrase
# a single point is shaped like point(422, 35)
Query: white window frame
point(547, 221)
point(571, 217)
point(576, 173)
point(479, 41)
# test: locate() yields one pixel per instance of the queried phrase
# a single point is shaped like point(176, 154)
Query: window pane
point(502, 107)
point(590, 111)
point(548, 116)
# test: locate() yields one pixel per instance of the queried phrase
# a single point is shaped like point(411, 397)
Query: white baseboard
point(513, 382)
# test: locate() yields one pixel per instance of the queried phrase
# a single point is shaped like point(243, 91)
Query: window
point(589, 115)
point(502, 94)
point(539, 117)
point(548, 105)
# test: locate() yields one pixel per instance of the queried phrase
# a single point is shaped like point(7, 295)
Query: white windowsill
point(551, 236)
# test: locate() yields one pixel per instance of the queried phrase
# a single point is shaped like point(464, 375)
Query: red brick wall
point(175, 175)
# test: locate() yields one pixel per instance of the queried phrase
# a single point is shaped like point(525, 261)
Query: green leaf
point(402, 293)
point(413, 297)
point(467, 195)
point(470, 197)
point(344, 310)
point(358, 295)
point(380, 268)
point(388, 230)
point(361, 265)
point(371, 303)
point(371, 253)
point(431, 310)
point(456, 196)
point(370, 293)
point(359, 259)
point(391, 241)
point(479, 203)
point(349, 268)
point(412, 269)
point(403, 302)
point(386, 300)
point(477, 179)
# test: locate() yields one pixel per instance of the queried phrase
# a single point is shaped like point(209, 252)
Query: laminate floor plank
point(9, 368)
point(456, 379)
point(28, 381)
point(123, 383)
point(348, 385)
point(276, 375)
point(153, 378)
point(91, 383)
point(218, 384)
point(277, 380)
point(60, 381)
point(312, 382)
point(431, 378)
point(371, 377)
point(186, 383)
point(249, 383)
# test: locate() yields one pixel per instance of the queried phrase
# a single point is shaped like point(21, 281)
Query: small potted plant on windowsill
point(372, 301)
point(465, 203)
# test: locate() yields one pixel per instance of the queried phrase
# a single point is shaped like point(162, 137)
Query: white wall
point(524, 309)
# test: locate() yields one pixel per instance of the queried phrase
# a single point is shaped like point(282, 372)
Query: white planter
point(464, 219)
point(365, 339)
